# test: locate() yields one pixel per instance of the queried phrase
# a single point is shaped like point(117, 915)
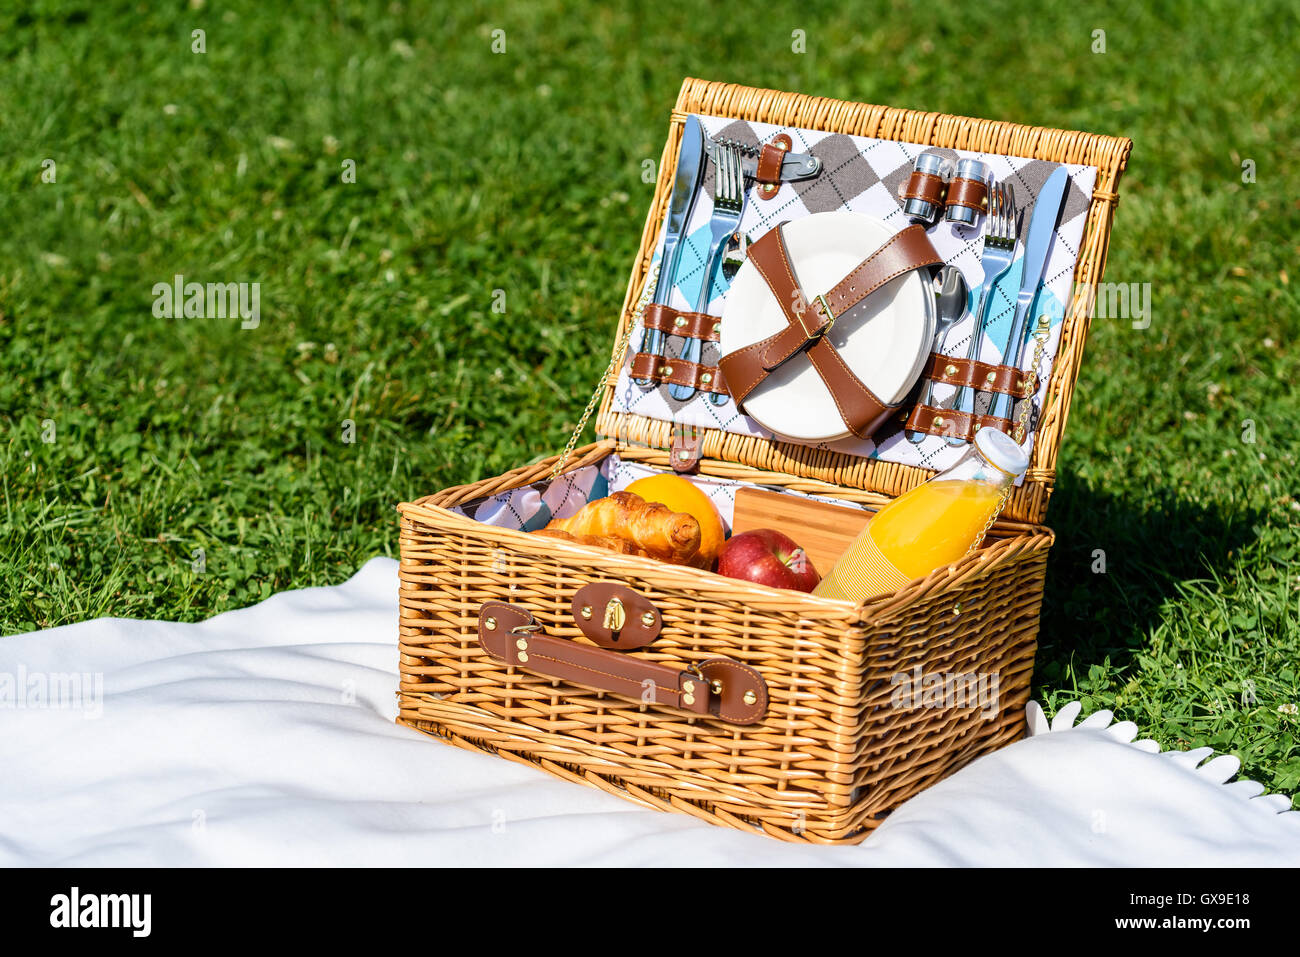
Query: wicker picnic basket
point(830, 757)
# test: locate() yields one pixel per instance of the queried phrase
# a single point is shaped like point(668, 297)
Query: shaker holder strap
point(926, 187)
point(982, 376)
point(718, 687)
point(971, 193)
point(951, 424)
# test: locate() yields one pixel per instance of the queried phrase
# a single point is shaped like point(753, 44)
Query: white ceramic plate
point(884, 340)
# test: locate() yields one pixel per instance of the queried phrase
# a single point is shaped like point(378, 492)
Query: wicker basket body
point(835, 751)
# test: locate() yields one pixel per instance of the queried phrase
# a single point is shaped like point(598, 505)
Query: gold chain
point(1031, 383)
point(1040, 343)
point(647, 291)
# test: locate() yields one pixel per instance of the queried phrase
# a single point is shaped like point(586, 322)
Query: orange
point(681, 496)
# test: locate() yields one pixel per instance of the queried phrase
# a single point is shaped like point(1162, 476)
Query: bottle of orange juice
point(933, 525)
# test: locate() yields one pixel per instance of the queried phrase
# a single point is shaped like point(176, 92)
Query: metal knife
point(793, 167)
point(686, 187)
point(1038, 242)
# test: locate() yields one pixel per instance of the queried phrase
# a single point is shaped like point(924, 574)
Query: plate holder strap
point(809, 321)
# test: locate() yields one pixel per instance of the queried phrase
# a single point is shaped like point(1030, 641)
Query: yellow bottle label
point(862, 572)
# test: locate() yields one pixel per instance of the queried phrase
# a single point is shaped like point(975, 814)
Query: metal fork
point(728, 205)
point(999, 250)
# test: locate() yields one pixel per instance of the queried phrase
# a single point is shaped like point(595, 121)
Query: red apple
point(767, 557)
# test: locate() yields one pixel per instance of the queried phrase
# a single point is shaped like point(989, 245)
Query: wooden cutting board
point(824, 531)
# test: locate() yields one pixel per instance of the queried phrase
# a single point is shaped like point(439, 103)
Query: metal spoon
point(952, 297)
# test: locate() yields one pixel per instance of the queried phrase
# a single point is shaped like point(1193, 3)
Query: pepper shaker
point(926, 189)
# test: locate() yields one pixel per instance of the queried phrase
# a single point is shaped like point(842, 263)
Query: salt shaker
point(968, 193)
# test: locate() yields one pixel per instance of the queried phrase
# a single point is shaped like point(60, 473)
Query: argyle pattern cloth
point(531, 507)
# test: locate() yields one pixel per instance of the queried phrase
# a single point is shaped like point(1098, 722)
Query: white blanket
point(265, 736)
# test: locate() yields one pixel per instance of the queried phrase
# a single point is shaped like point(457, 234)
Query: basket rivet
point(522, 644)
point(679, 321)
point(990, 377)
point(490, 623)
point(939, 423)
point(668, 370)
point(750, 697)
point(684, 455)
point(716, 327)
point(688, 687)
point(716, 686)
point(585, 611)
point(522, 656)
point(688, 699)
point(648, 618)
point(949, 370)
point(706, 378)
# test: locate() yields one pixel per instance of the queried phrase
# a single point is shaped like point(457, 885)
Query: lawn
point(177, 468)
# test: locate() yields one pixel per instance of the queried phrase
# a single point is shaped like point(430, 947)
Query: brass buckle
point(817, 333)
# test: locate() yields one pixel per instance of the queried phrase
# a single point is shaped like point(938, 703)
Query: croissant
point(609, 542)
point(654, 529)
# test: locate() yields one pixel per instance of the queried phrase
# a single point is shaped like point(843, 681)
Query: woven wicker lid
point(1107, 153)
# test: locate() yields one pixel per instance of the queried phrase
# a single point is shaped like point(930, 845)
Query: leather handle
point(718, 687)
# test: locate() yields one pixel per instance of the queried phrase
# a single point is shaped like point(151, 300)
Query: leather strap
point(952, 424)
point(807, 323)
point(692, 325)
point(971, 193)
point(1007, 380)
point(658, 369)
point(510, 634)
point(925, 186)
point(768, 172)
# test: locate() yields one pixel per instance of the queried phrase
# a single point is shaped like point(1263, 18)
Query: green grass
point(521, 172)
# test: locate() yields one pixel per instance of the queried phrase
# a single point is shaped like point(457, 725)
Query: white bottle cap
point(1001, 451)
